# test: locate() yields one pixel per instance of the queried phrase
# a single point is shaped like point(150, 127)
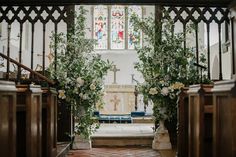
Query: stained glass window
point(134, 37)
point(117, 27)
point(101, 26)
point(113, 27)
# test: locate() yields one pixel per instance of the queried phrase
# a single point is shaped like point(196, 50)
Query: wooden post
point(200, 121)
point(182, 130)
point(224, 126)
point(49, 122)
point(29, 120)
point(7, 119)
point(158, 28)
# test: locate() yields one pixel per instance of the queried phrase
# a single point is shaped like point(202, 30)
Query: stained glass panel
point(134, 37)
point(117, 27)
point(100, 26)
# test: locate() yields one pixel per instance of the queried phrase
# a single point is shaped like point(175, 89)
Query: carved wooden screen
point(33, 21)
point(206, 15)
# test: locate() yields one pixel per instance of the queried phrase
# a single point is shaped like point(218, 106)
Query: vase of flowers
point(165, 64)
point(79, 73)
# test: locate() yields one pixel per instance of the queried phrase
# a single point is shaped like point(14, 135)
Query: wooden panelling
point(7, 119)
point(49, 123)
point(182, 134)
point(224, 124)
point(200, 121)
point(29, 120)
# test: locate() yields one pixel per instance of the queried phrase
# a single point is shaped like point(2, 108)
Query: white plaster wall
point(233, 14)
point(123, 59)
point(226, 63)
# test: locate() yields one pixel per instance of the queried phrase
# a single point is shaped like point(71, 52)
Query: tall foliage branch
point(79, 73)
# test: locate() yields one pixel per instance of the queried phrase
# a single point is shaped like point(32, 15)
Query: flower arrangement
point(165, 64)
point(79, 74)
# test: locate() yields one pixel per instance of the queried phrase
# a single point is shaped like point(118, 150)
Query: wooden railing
point(26, 68)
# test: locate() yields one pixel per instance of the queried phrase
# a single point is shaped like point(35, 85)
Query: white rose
point(68, 80)
point(61, 94)
point(92, 87)
point(153, 91)
point(165, 91)
point(85, 96)
point(81, 95)
point(80, 82)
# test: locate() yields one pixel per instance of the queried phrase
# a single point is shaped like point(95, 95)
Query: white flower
point(153, 91)
point(75, 91)
point(68, 80)
point(61, 94)
point(80, 82)
point(165, 91)
point(81, 95)
point(177, 85)
point(92, 87)
point(85, 96)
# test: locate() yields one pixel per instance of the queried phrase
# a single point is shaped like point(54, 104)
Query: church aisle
point(115, 152)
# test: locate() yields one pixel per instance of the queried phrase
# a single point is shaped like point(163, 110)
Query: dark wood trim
point(208, 51)
point(220, 53)
point(232, 44)
point(222, 3)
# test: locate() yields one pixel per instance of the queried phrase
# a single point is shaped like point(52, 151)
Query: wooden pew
point(29, 120)
point(65, 122)
point(49, 122)
point(7, 119)
point(224, 119)
point(200, 121)
point(182, 125)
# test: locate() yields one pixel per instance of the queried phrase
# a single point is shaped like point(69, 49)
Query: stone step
point(98, 141)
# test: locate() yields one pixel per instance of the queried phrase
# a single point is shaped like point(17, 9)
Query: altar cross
point(115, 101)
point(114, 69)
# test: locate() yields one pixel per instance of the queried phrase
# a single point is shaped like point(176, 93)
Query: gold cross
point(116, 102)
point(114, 69)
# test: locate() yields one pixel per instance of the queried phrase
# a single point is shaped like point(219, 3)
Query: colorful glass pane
point(134, 37)
point(117, 27)
point(100, 26)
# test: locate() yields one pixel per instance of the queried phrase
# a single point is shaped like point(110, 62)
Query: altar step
point(122, 141)
point(134, 134)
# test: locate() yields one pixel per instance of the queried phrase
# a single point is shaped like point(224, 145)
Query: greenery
point(165, 64)
point(79, 74)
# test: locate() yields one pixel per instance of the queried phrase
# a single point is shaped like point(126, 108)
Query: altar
point(118, 99)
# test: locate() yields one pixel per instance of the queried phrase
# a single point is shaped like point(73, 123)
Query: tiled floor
point(115, 152)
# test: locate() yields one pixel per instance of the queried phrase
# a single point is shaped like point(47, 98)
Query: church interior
point(36, 119)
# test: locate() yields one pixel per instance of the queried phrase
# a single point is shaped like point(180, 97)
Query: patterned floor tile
point(115, 152)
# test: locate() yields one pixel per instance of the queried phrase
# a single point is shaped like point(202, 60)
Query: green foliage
point(79, 73)
point(165, 64)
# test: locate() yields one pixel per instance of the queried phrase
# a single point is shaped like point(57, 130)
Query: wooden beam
point(222, 3)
